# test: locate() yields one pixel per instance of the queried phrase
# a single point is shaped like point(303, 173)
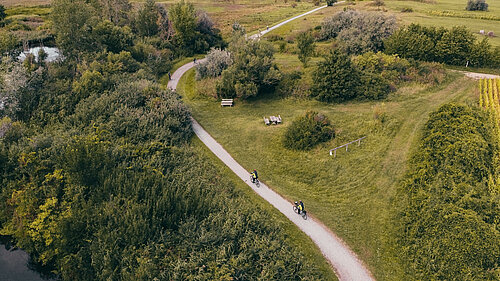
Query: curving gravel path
point(345, 263)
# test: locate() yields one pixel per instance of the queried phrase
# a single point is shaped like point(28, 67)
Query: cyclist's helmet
point(300, 201)
point(296, 203)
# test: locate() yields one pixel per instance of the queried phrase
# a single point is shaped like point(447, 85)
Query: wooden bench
point(228, 102)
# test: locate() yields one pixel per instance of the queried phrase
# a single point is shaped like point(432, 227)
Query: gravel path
point(287, 21)
point(345, 263)
point(477, 76)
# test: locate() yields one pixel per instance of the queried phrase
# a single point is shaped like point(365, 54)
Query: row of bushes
point(455, 46)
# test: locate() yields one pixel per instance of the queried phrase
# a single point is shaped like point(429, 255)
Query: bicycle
point(303, 213)
point(255, 181)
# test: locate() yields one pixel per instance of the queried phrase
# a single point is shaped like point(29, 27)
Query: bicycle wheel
point(257, 182)
point(295, 209)
point(304, 215)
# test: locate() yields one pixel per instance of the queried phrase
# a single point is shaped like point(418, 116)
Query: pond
point(52, 53)
point(16, 265)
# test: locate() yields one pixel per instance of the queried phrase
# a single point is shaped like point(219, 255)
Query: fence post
point(347, 146)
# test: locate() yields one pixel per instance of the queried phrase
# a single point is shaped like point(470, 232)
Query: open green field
point(253, 15)
point(446, 13)
point(351, 193)
point(256, 15)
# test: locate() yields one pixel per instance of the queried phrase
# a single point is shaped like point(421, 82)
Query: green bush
point(307, 131)
point(450, 196)
point(476, 5)
point(335, 79)
point(253, 70)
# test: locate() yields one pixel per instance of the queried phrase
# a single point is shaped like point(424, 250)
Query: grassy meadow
point(352, 193)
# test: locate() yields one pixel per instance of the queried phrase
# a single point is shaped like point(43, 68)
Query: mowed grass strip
point(352, 193)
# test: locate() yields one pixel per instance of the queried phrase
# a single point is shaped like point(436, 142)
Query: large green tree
point(72, 23)
point(146, 22)
point(183, 17)
point(335, 79)
point(252, 71)
point(305, 43)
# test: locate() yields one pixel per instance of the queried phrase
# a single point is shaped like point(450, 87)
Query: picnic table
point(273, 120)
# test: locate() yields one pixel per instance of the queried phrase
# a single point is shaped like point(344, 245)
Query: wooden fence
point(346, 146)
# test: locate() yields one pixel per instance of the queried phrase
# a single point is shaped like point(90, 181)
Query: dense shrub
point(476, 5)
point(252, 71)
point(291, 85)
point(215, 62)
point(397, 70)
point(330, 2)
point(335, 79)
point(456, 46)
point(307, 131)
point(359, 32)
point(305, 44)
point(113, 38)
point(449, 196)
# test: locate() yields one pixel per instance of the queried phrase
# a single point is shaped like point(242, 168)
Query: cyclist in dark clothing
point(301, 204)
point(255, 176)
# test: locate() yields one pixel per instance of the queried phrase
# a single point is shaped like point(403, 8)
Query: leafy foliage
point(476, 5)
point(252, 71)
point(305, 43)
point(215, 62)
point(450, 195)
point(455, 46)
point(335, 79)
point(359, 32)
point(307, 131)
point(146, 22)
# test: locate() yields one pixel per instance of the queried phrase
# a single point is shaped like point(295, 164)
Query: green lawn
point(351, 193)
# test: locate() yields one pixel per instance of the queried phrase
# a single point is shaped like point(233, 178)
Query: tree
point(183, 17)
point(8, 42)
point(330, 2)
point(335, 79)
point(72, 24)
point(2, 13)
point(116, 11)
point(215, 62)
point(252, 70)
point(111, 37)
point(359, 32)
point(455, 46)
point(476, 5)
point(305, 43)
point(146, 22)
point(307, 131)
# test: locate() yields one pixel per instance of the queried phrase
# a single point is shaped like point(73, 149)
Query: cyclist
point(255, 176)
point(301, 206)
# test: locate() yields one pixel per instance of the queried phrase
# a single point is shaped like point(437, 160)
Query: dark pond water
point(16, 265)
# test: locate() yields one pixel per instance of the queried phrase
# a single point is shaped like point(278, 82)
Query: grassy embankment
point(352, 193)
